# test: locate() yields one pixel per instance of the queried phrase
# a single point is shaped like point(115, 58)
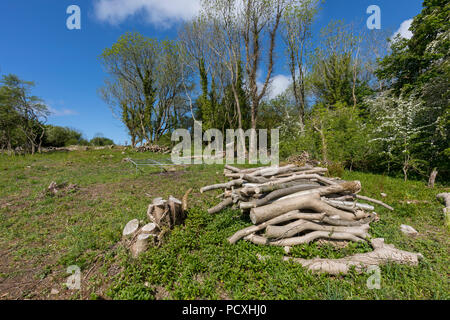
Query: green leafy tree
point(28, 112)
point(420, 68)
point(144, 88)
point(101, 141)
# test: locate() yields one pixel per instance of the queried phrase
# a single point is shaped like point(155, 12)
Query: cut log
point(271, 171)
point(382, 254)
point(225, 203)
point(131, 228)
point(159, 213)
point(349, 204)
point(289, 170)
point(253, 179)
point(299, 226)
point(141, 244)
point(176, 212)
point(281, 191)
point(303, 239)
point(280, 219)
point(341, 198)
point(227, 185)
point(231, 168)
point(374, 201)
point(345, 223)
point(347, 186)
point(340, 206)
point(312, 202)
point(150, 228)
point(272, 185)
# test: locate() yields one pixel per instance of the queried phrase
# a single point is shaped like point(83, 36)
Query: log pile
point(292, 204)
point(297, 204)
point(150, 147)
point(163, 215)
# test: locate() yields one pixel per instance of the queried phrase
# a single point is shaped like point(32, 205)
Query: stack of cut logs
point(163, 216)
point(288, 201)
point(292, 205)
point(149, 147)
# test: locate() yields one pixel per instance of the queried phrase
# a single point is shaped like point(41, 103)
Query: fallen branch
point(225, 203)
point(382, 254)
point(374, 201)
point(303, 239)
point(227, 185)
point(299, 226)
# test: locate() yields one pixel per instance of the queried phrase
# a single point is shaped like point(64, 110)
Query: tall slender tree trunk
point(324, 142)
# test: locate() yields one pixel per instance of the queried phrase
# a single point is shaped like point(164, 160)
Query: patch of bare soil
point(161, 293)
point(43, 278)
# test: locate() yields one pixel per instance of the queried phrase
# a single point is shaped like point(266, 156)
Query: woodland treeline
point(358, 98)
point(23, 119)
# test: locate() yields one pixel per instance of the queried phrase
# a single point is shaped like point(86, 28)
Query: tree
point(144, 88)
point(416, 61)
point(9, 120)
point(332, 75)
point(397, 130)
point(56, 136)
point(419, 68)
point(101, 141)
point(223, 39)
point(297, 22)
point(261, 20)
point(27, 111)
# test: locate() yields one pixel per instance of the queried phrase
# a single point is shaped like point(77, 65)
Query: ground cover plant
point(42, 234)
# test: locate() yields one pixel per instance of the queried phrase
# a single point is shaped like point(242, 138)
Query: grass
point(41, 235)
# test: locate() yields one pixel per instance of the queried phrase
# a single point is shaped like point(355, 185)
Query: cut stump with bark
point(131, 228)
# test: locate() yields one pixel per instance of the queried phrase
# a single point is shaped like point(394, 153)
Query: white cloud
point(279, 84)
point(158, 12)
point(62, 112)
point(404, 31)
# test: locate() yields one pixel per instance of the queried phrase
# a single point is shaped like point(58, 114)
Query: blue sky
point(37, 46)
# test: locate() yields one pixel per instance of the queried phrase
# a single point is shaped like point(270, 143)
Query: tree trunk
point(382, 254)
point(432, 178)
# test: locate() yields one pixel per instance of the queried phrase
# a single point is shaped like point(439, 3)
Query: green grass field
point(41, 235)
